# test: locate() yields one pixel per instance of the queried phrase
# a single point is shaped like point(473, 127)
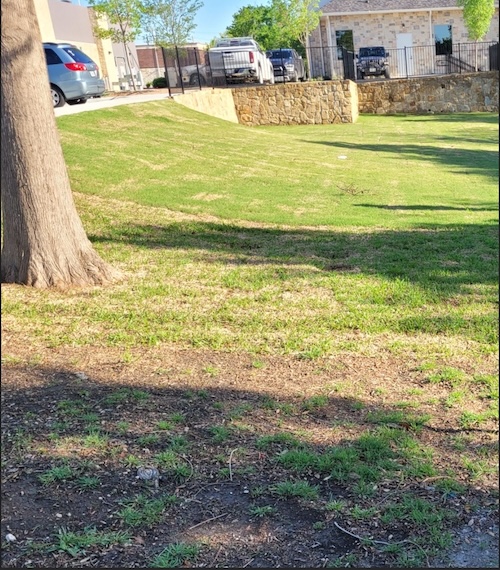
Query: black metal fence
point(417, 61)
point(192, 68)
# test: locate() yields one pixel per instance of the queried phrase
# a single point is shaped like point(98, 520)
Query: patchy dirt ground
point(104, 414)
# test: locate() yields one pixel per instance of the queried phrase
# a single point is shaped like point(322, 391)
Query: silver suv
point(73, 76)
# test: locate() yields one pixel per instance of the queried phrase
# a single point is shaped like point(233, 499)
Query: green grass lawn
point(267, 240)
point(385, 172)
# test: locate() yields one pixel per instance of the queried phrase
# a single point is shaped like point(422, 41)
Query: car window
point(77, 55)
point(374, 52)
point(281, 53)
point(52, 57)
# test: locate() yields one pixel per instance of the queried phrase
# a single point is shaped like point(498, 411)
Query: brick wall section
point(443, 94)
point(318, 102)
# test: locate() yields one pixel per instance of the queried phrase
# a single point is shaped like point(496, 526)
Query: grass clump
point(299, 489)
point(176, 555)
point(142, 511)
point(77, 543)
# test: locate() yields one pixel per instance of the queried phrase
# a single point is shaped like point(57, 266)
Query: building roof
point(352, 6)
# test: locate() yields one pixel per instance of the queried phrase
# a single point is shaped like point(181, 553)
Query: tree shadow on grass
point(448, 259)
point(480, 161)
point(486, 207)
point(225, 454)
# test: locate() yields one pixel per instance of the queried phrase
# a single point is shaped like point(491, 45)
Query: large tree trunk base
point(89, 270)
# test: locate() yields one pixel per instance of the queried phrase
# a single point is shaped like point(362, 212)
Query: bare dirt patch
point(103, 414)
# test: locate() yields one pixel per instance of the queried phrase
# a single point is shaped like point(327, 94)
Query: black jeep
point(372, 61)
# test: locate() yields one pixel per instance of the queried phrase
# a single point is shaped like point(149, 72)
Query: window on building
point(344, 40)
point(442, 37)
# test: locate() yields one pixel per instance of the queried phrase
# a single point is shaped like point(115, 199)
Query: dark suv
point(73, 76)
point(288, 65)
point(372, 61)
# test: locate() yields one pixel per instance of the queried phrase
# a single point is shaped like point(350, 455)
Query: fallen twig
point(249, 562)
point(215, 557)
point(360, 538)
point(427, 479)
point(208, 520)
point(230, 469)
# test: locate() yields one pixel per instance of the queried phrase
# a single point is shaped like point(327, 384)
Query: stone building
point(418, 34)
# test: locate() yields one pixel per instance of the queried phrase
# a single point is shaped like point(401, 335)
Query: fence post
point(197, 66)
point(166, 71)
point(179, 68)
point(459, 60)
point(406, 63)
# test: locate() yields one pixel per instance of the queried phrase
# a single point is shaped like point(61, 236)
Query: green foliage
point(169, 22)
point(119, 21)
point(75, 543)
point(148, 439)
point(301, 489)
point(56, 474)
point(284, 23)
point(315, 402)
point(124, 15)
point(176, 555)
point(126, 395)
point(258, 22)
point(88, 482)
point(298, 459)
point(477, 16)
point(220, 433)
point(261, 511)
point(143, 511)
point(266, 441)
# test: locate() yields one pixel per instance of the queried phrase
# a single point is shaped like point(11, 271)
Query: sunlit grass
point(290, 260)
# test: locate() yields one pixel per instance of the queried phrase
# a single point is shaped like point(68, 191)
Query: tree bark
point(44, 242)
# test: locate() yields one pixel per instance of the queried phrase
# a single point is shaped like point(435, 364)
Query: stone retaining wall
point(315, 102)
point(443, 94)
point(214, 102)
point(325, 102)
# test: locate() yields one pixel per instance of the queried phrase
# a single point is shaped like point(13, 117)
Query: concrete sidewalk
point(111, 101)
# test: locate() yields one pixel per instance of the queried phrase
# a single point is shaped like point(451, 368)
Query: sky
point(216, 15)
point(213, 18)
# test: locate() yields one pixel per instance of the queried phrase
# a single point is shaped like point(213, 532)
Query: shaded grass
point(383, 480)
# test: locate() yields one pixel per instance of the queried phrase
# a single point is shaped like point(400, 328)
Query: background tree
point(300, 17)
point(258, 22)
point(283, 23)
point(125, 19)
point(44, 243)
point(477, 18)
point(169, 22)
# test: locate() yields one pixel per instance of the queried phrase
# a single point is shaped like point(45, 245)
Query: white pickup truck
point(240, 60)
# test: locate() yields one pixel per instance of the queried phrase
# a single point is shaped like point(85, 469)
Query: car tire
point(197, 80)
point(58, 99)
point(260, 79)
point(77, 101)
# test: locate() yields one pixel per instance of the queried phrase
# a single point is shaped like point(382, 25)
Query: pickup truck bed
point(240, 60)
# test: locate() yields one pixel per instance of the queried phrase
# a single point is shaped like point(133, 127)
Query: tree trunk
point(44, 242)
point(125, 47)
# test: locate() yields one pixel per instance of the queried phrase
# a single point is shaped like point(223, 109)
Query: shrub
point(159, 83)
